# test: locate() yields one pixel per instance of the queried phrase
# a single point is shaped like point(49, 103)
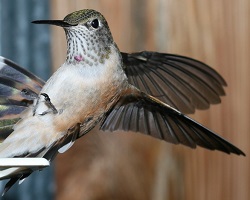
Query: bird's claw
point(49, 104)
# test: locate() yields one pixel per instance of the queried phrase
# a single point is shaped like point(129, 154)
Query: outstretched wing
point(18, 88)
point(145, 114)
point(181, 82)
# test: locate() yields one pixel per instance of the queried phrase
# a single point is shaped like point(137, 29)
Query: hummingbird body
point(140, 92)
point(81, 94)
point(96, 87)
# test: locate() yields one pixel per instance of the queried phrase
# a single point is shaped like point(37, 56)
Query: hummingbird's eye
point(95, 23)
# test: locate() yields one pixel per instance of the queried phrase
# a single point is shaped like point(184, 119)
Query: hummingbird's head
point(88, 36)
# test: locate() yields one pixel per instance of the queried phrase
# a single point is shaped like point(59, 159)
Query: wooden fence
point(132, 166)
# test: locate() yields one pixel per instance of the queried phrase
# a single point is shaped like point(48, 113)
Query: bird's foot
point(49, 104)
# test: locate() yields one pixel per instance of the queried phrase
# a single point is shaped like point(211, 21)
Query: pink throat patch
point(78, 58)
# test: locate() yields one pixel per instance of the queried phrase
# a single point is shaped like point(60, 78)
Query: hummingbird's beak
point(60, 23)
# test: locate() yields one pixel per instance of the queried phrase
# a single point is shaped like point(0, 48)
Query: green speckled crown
point(82, 16)
point(85, 43)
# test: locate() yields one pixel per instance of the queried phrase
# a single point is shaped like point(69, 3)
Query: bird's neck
point(92, 66)
point(85, 51)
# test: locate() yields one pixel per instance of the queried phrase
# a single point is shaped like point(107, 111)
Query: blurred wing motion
point(18, 88)
point(181, 82)
point(146, 114)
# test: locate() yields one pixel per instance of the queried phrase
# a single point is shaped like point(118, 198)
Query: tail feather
point(8, 185)
point(17, 169)
point(13, 180)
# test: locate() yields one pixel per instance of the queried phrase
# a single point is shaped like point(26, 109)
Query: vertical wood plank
point(216, 32)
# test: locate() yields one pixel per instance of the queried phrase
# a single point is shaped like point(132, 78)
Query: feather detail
point(18, 89)
point(143, 113)
point(181, 82)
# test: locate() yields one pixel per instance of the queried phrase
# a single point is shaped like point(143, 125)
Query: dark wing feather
point(148, 115)
point(18, 88)
point(181, 82)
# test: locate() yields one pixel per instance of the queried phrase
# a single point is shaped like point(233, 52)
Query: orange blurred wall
point(133, 166)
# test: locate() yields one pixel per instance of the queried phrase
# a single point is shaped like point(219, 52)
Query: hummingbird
point(146, 92)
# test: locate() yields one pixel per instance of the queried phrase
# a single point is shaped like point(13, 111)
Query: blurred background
point(131, 165)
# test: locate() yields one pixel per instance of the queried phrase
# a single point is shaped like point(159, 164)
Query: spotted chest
point(82, 93)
